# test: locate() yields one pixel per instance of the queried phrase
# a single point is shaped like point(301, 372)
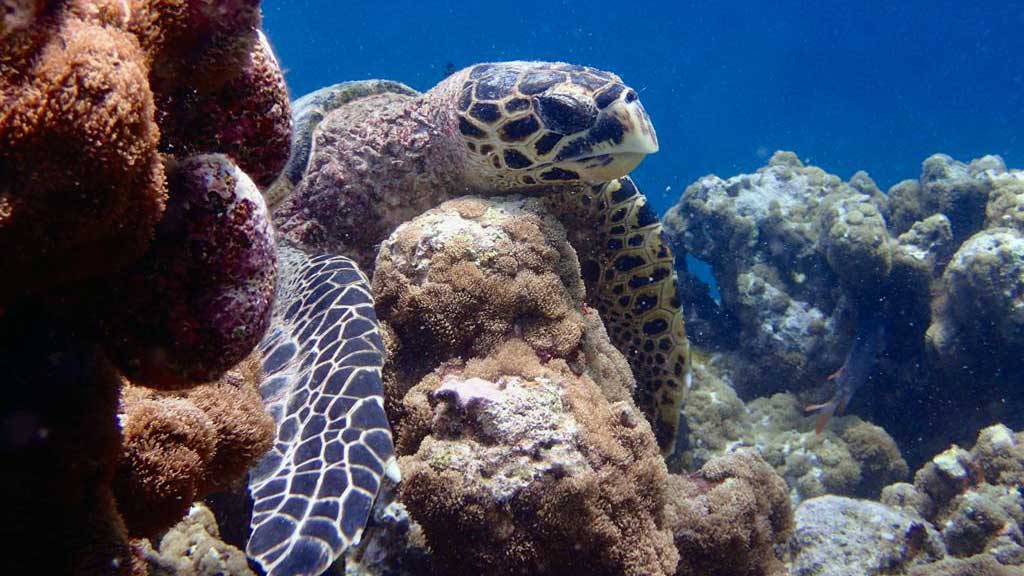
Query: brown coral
point(82, 189)
point(727, 518)
point(179, 447)
point(87, 90)
point(536, 473)
point(472, 273)
point(81, 183)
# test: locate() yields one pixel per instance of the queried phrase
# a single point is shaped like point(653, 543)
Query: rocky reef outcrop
point(963, 514)
point(802, 258)
point(851, 457)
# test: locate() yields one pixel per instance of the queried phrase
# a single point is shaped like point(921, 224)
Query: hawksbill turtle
point(368, 156)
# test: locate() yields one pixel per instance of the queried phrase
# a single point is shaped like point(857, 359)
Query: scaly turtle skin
point(308, 111)
point(566, 133)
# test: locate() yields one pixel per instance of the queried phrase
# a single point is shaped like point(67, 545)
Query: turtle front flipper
point(322, 384)
point(631, 281)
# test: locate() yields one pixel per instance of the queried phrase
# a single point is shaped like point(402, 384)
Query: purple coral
point(200, 300)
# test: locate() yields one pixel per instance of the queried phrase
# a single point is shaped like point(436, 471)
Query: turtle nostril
point(631, 96)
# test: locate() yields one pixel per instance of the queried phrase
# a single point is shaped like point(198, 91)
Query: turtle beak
point(638, 135)
point(622, 137)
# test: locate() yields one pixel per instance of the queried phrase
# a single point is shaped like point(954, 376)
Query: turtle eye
point(564, 114)
point(631, 96)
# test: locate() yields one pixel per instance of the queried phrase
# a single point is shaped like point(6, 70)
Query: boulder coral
point(200, 299)
point(981, 311)
point(728, 517)
point(534, 471)
point(81, 178)
point(138, 249)
point(467, 276)
point(521, 449)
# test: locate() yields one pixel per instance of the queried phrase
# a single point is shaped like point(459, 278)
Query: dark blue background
point(857, 85)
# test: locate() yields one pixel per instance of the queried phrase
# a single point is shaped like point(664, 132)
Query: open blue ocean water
point(848, 86)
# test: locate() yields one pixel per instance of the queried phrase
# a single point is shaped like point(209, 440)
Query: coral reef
point(520, 446)
point(193, 547)
point(973, 497)
point(81, 179)
point(200, 299)
point(178, 447)
point(467, 276)
point(981, 311)
point(541, 473)
point(852, 457)
point(137, 250)
point(728, 517)
point(963, 514)
point(802, 258)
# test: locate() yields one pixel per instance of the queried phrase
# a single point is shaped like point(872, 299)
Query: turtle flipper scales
point(314, 490)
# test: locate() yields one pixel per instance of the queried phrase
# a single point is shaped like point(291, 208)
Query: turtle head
point(525, 124)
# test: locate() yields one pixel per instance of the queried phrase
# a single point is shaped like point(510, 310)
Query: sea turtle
point(378, 155)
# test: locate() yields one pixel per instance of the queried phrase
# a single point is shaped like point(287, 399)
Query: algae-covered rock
point(1005, 207)
point(837, 536)
point(800, 258)
point(974, 499)
point(193, 547)
point(981, 309)
point(851, 457)
point(856, 242)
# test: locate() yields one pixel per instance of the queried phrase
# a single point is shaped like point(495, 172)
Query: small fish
point(860, 361)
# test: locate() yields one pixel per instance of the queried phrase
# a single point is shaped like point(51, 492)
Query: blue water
point(858, 85)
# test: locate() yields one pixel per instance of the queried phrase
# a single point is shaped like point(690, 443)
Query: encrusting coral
point(140, 249)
